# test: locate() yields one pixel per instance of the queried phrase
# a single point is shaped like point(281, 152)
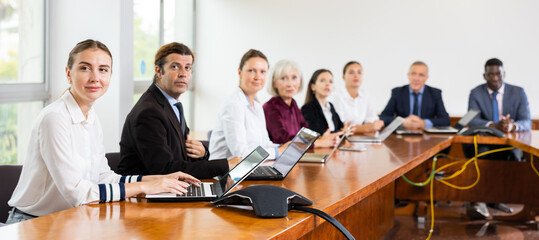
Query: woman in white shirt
point(353, 104)
point(66, 165)
point(241, 125)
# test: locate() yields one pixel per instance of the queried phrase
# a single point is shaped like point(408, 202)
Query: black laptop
point(209, 191)
point(288, 159)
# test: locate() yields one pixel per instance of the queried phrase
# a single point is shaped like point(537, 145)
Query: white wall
point(74, 21)
point(454, 38)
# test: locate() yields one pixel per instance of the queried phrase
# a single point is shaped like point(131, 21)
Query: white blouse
point(66, 162)
point(328, 115)
point(240, 129)
point(358, 110)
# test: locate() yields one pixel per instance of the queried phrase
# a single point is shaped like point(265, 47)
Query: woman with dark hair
point(283, 116)
point(353, 104)
point(241, 125)
point(317, 110)
point(66, 165)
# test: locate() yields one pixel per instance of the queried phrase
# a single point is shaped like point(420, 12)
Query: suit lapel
point(168, 110)
point(406, 100)
point(320, 111)
point(487, 102)
point(507, 93)
point(426, 99)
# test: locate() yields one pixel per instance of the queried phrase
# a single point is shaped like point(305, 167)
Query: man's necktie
point(416, 105)
point(182, 118)
point(495, 113)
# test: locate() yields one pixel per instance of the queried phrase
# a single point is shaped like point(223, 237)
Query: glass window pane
point(146, 37)
point(16, 121)
point(179, 21)
point(21, 56)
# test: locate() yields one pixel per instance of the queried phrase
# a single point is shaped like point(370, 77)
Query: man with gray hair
point(421, 105)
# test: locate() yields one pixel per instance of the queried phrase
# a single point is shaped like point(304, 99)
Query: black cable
point(326, 217)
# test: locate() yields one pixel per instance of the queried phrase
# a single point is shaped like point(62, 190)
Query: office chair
point(114, 160)
point(9, 177)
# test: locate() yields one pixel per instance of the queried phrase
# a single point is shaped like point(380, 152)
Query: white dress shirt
point(240, 129)
point(328, 116)
point(358, 110)
point(66, 162)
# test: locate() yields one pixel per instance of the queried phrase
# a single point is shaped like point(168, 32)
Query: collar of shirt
point(346, 94)
point(243, 95)
point(172, 101)
point(74, 110)
point(500, 91)
point(420, 91)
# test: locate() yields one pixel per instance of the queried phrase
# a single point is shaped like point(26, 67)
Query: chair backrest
point(114, 160)
point(9, 177)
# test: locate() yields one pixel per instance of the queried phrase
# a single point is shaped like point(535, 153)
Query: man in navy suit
point(508, 111)
point(421, 105)
point(503, 106)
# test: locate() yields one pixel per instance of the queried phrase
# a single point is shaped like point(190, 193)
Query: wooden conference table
point(358, 188)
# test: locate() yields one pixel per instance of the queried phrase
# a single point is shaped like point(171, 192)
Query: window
point(157, 22)
point(23, 84)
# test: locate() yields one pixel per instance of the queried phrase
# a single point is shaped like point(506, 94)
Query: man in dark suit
point(155, 137)
point(508, 110)
point(421, 105)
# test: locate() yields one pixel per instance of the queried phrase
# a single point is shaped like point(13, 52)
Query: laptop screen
point(467, 118)
point(291, 155)
point(391, 127)
point(242, 169)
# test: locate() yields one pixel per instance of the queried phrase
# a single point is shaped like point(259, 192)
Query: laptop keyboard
point(194, 191)
point(264, 171)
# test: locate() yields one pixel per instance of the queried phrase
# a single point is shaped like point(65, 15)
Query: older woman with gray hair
point(283, 116)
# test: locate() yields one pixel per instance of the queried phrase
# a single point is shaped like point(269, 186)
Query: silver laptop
point(209, 191)
point(320, 157)
point(288, 159)
point(463, 122)
point(382, 135)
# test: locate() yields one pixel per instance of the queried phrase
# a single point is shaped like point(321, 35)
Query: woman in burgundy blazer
point(283, 116)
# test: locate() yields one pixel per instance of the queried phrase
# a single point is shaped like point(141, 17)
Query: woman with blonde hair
point(283, 116)
point(66, 165)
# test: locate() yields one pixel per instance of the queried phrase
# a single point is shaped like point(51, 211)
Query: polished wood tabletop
point(346, 179)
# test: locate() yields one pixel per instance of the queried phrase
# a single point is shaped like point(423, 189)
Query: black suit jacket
point(152, 142)
point(313, 114)
point(432, 106)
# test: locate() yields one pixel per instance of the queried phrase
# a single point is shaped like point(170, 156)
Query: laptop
point(209, 191)
point(288, 159)
point(463, 122)
point(381, 136)
point(320, 157)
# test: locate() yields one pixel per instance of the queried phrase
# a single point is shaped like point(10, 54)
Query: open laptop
point(320, 157)
point(467, 118)
point(288, 159)
point(381, 136)
point(209, 191)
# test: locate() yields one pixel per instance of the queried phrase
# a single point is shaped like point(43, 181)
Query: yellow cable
point(533, 166)
point(431, 210)
point(458, 172)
